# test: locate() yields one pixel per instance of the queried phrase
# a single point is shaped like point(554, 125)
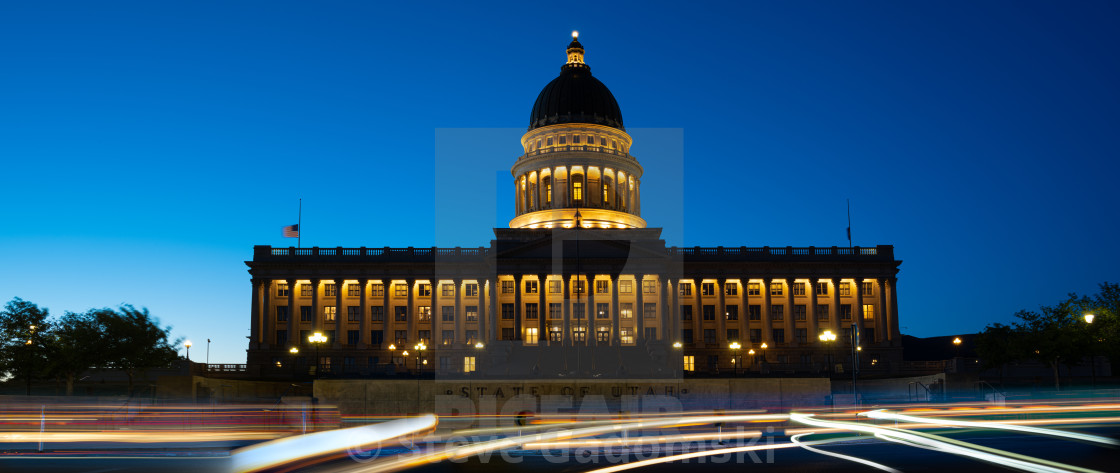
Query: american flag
point(291, 231)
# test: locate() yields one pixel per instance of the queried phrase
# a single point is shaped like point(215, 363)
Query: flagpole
point(299, 224)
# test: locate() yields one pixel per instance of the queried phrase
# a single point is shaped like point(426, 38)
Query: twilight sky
point(147, 146)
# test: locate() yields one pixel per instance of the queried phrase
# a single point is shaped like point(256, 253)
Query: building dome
point(575, 97)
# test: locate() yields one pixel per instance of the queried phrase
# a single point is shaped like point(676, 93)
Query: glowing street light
point(828, 337)
point(735, 346)
point(677, 345)
point(1089, 318)
point(317, 339)
point(188, 345)
point(479, 345)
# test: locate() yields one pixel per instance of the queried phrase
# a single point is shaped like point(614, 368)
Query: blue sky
point(147, 146)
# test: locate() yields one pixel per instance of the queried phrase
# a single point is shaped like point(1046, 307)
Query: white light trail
point(881, 414)
point(880, 466)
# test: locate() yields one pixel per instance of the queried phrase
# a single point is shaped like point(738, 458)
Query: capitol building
point(578, 286)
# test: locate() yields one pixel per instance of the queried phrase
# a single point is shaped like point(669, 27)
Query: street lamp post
point(735, 346)
point(754, 359)
point(827, 337)
point(30, 356)
point(317, 339)
point(295, 352)
point(762, 354)
point(680, 361)
point(1092, 344)
point(188, 345)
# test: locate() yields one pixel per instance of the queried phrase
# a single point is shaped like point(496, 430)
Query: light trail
point(881, 414)
point(799, 443)
point(283, 451)
point(991, 455)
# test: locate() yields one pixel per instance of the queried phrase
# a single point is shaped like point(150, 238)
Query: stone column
point(255, 324)
point(567, 311)
point(433, 310)
point(492, 303)
point(390, 321)
point(639, 310)
point(671, 307)
point(789, 324)
point(267, 316)
point(811, 313)
point(460, 336)
point(664, 311)
point(542, 309)
point(338, 313)
point(892, 303)
point(834, 309)
point(881, 329)
point(293, 317)
point(721, 310)
point(592, 314)
point(857, 311)
point(616, 340)
point(767, 322)
point(363, 323)
point(519, 281)
point(316, 316)
point(409, 318)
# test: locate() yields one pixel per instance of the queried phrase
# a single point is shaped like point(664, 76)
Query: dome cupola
point(575, 96)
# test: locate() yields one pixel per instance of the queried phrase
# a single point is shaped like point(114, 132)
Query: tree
point(22, 324)
point(998, 345)
point(76, 344)
point(133, 341)
point(1052, 335)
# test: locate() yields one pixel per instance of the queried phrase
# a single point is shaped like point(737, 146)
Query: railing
point(316, 251)
point(885, 251)
point(882, 251)
point(570, 148)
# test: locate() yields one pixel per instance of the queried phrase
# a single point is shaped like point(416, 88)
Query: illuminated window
point(626, 310)
point(282, 289)
point(649, 286)
point(846, 312)
point(555, 333)
point(282, 314)
point(400, 290)
point(577, 188)
point(650, 310)
point(305, 290)
point(507, 311)
point(563, 140)
point(686, 312)
point(425, 313)
point(799, 289)
point(708, 289)
point(531, 311)
point(625, 286)
point(775, 288)
point(689, 363)
point(732, 312)
point(425, 336)
point(867, 288)
point(602, 310)
point(822, 312)
point(472, 313)
point(603, 334)
point(472, 336)
point(447, 337)
point(686, 288)
point(730, 289)
point(547, 183)
point(754, 289)
point(400, 314)
point(472, 290)
point(601, 287)
point(845, 289)
point(531, 335)
point(507, 287)
point(353, 290)
point(579, 334)
point(425, 290)
point(377, 290)
point(555, 310)
point(578, 286)
point(868, 312)
point(354, 313)
point(777, 312)
point(329, 313)
point(606, 194)
point(554, 286)
point(468, 364)
point(822, 289)
point(447, 290)
point(377, 313)
point(799, 313)
point(330, 289)
point(530, 287)
point(754, 312)
point(627, 335)
point(709, 312)
point(447, 313)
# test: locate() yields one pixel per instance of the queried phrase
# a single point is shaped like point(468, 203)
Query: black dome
point(575, 97)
